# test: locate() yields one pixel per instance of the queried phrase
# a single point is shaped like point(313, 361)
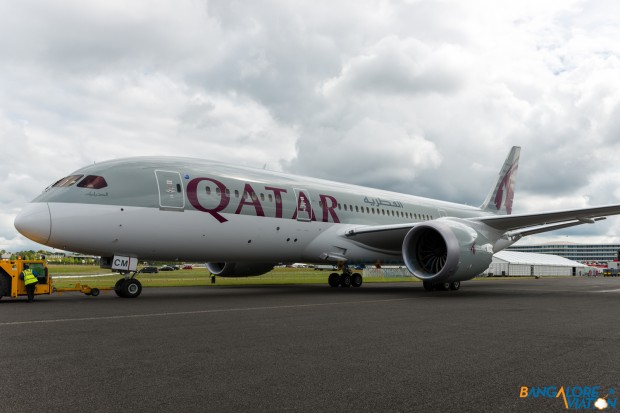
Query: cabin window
point(208, 189)
point(270, 198)
point(67, 181)
point(339, 206)
point(236, 193)
point(93, 182)
point(345, 207)
point(227, 192)
point(218, 191)
point(262, 197)
point(356, 209)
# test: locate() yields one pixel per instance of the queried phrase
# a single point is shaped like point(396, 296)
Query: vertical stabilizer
point(500, 198)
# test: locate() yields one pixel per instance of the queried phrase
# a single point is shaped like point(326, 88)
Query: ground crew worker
point(30, 280)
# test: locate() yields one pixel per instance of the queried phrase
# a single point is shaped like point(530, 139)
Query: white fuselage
point(211, 212)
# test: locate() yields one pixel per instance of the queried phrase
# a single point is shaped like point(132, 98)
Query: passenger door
point(171, 192)
point(304, 207)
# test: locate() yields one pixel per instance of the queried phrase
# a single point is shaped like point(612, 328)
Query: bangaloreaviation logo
point(574, 397)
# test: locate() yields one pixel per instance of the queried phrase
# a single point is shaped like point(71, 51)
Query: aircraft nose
point(35, 222)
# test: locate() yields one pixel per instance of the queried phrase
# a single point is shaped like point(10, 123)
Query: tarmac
point(381, 347)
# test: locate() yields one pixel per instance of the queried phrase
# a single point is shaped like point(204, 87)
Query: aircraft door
point(171, 193)
point(304, 207)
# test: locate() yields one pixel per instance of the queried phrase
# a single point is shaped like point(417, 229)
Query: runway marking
point(222, 310)
point(617, 290)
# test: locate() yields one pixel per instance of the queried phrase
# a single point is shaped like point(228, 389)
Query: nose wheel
point(128, 288)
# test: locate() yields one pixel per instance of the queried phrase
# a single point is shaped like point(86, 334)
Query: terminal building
point(585, 253)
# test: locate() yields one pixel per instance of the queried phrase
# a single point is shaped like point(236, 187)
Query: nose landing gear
point(128, 287)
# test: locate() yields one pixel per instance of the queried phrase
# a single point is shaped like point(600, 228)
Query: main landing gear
point(429, 286)
point(346, 279)
point(128, 287)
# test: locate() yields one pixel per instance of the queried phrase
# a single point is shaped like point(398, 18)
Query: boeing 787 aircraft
point(244, 221)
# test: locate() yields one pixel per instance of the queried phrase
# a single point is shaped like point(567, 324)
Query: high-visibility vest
point(29, 277)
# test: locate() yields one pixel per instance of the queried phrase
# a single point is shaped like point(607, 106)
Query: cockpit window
point(93, 182)
point(67, 181)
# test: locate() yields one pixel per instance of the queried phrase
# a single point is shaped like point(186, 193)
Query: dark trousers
point(30, 290)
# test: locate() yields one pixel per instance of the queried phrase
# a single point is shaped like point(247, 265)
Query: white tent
point(512, 263)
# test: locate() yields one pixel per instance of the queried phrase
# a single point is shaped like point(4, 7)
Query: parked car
point(149, 270)
point(187, 267)
point(166, 268)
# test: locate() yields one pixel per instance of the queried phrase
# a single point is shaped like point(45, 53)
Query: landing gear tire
point(455, 285)
point(356, 280)
point(345, 280)
point(428, 286)
point(443, 286)
point(334, 280)
point(94, 292)
point(118, 287)
point(131, 288)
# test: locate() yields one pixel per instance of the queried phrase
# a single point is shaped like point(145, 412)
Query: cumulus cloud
point(395, 66)
point(424, 97)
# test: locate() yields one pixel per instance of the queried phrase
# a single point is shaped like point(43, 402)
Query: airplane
point(243, 221)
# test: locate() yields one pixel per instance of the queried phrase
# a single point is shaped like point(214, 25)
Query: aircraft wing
point(389, 238)
point(574, 216)
point(386, 238)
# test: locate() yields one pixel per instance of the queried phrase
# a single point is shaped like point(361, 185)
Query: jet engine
point(446, 250)
point(239, 269)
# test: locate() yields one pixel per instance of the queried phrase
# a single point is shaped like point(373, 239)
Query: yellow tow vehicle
point(12, 286)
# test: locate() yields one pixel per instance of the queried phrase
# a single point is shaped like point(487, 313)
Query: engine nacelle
point(446, 250)
point(239, 269)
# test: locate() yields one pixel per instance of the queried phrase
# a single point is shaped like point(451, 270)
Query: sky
point(421, 97)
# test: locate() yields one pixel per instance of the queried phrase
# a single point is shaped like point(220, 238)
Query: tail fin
point(500, 198)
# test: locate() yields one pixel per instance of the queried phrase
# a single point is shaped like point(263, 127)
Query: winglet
point(501, 195)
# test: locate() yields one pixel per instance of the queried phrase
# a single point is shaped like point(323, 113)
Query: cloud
point(395, 66)
point(424, 97)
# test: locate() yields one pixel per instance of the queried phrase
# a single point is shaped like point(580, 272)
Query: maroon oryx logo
point(506, 186)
